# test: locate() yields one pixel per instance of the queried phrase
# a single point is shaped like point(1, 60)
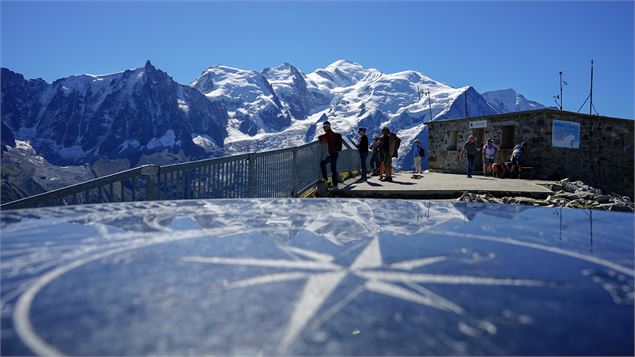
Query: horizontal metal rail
point(277, 173)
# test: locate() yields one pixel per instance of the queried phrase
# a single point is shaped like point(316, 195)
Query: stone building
point(595, 149)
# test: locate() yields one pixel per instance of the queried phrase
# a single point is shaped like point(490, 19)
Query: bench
point(526, 172)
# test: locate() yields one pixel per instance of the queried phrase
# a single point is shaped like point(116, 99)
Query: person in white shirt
point(489, 152)
point(419, 153)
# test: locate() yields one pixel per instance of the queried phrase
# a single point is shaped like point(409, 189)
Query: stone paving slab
point(442, 185)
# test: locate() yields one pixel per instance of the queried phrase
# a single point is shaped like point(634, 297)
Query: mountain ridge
point(143, 115)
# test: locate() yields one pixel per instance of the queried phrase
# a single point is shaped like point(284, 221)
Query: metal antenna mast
point(591, 94)
point(561, 98)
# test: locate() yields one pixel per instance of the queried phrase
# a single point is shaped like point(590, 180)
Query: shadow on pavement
point(403, 183)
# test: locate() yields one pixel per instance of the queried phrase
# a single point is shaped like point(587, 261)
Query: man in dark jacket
point(470, 148)
point(333, 141)
point(388, 150)
point(362, 148)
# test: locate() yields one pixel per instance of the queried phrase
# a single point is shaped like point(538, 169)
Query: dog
point(499, 170)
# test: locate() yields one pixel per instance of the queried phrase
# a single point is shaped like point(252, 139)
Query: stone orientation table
point(316, 277)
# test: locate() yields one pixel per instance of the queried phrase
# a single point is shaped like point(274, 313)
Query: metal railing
point(278, 173)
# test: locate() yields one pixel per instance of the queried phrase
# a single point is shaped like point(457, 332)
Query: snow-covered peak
point(285, 67)
point(341, 73)
point(232, 84)
point(344, 64)
point(222, 69)
point(412, 76)
point(252, 104)
point(128, 79)
point(283, 74)
point(508, 100)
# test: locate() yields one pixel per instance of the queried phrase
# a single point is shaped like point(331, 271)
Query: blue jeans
point(332, 159)
point(362, 159)
point(374, 162)
point(470, 164)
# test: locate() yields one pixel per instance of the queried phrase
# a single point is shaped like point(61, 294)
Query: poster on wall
point(478, 124)
point(565, 134)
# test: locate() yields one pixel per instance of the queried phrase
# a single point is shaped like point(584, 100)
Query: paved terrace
point(441, 185)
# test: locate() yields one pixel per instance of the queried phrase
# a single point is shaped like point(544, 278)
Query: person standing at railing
point(419, 154)
point(374, 159)
point(333, 141)
point(362, 148)
point(388, 149)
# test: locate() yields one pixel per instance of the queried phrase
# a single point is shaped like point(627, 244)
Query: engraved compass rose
point(323, 276)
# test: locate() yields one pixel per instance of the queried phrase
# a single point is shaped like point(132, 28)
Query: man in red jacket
point(334, 142)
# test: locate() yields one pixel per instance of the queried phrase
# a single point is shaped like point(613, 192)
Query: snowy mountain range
point(350, 95)
point(84, 118)
point(142, 115)
point(508, 100)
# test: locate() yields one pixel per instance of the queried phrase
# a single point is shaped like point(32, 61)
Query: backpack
point(397, 143)
point(421, 152)
point(338, 141)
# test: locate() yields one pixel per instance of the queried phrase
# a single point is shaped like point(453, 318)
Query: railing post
point(251, 175)
point(294, 174)
point(150, 171)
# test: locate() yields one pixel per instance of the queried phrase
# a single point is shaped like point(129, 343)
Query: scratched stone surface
point(316, 277)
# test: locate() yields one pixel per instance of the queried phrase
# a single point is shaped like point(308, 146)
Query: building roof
point(528, 112)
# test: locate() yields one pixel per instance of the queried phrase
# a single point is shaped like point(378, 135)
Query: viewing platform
point(436, 185)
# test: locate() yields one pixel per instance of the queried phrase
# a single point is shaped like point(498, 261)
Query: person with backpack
point(388, 149)
point(517, 159)
point(362, 148)
point(419, 153)
point(489, 152)
point(334, 143)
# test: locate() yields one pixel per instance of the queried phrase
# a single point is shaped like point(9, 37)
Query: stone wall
point(604, 158)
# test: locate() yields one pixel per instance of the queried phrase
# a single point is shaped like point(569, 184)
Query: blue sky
point(489, 45)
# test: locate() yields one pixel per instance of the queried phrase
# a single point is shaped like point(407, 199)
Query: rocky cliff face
point(82, 119)
point(299, 95)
